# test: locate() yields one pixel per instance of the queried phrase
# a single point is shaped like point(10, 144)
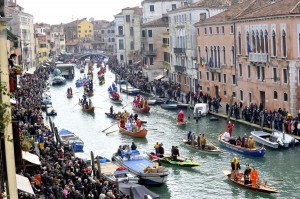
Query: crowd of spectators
point(60, 175)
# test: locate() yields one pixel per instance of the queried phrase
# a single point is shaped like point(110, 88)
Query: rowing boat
point(89, 109)
point(179, 162)
point(141, 110)
point(260, 186)
point(181, 123)
point(140, 134)
point(257, 152)
point(114, 100)
point(89, 93)
point(69, 95)
point(208, 149)
point(114, 117)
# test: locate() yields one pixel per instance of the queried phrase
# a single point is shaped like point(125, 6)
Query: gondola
point(261, 187)
point(140, 134)
point(208, 149)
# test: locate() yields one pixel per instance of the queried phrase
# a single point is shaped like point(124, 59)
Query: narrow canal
point(206, 181)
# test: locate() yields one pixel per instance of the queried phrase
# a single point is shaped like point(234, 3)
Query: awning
point(23, 184)
point(31, 158)
point(159, 77)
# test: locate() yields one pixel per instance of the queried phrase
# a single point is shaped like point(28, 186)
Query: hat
point(229, 122)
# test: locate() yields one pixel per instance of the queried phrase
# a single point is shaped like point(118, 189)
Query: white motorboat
point(286, 138)
point(267, 139)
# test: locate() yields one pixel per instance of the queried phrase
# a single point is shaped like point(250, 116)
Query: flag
point(249, 48)
point(211, 62)
point(203, 61)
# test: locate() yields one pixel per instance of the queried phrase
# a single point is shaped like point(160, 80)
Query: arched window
point(285, 97)
point(232, 56)
point(224, 55)
point(219, 63)
point(253, 42)
point(275, 95)
point(262, 43)
point(211, 60)
point(283, 44)
point(248, 43)
point(273, 43)
point(240, 43)
point(257, 42)
point(216, 57)
point(206, 54)
point(266, 42)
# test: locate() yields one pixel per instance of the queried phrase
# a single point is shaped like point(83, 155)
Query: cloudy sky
point(57, 11)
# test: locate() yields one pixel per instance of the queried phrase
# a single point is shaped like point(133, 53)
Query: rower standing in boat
point(71, 91)
point(161, 150)
point(229, 128)
point(111, 110)
point(133, 146)
point(235, 166)
point(203, 141)
point(175, 153)
point(180, 116)
point(251, 142)
point(254, 177)
point(247, 175)
point(156, 146)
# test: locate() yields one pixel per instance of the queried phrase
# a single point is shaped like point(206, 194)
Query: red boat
point(141, 110)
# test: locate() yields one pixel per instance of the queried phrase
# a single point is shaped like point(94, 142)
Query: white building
point(22, 25)
point(104, 35)
point(128, 35)
point(183, 57)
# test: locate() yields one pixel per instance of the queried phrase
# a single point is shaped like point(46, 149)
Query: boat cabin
point(67, 70)
point(201, 109)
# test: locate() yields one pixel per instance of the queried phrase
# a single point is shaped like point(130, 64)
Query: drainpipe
point(8, 132)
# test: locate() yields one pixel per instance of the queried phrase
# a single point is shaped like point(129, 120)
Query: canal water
point(206, 181)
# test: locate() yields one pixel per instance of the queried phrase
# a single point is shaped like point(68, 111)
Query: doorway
point(217, 91)
point(263, 98)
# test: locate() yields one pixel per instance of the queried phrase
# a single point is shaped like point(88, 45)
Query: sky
point(63, 11)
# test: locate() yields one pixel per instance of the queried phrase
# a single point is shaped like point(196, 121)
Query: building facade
point(58, 41)
point(104, 35)
point(22, 26)
point(251, 53)
point(183, 40)
point(128, 35)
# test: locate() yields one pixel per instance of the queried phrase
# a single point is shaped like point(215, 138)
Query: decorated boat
point(208, 149)
point(257, 151)
point(141, 166)
point(141, 110)
point(79, 82)
point(261, 187)
point(69, 138)
point(181, 123)
point(115, 100)
point(140, 105)
point(141, 133)
point(89, 93)
point(188, 162)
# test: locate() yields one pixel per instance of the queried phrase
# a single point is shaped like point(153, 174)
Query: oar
point(151, 129)
point(75, 105)
point(109, 127)
point(111, 132)
point(125, 105)
point(275, 180)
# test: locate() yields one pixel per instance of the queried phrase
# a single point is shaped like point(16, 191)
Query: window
point(149, 33)
point(240, 70)
point(219, 59)
point(275, 95)
point(207, 76)
point(224, 78)
point(200, 75)
point(127, 18)
point(143, 33)
point(283, 41)
point(285, 97)
point(150, 47)
point(131, 31)
point(205, 31)
point(241, 95)
point(248, 43)
point(173, 6)
point(262, 44)
point(207, 89)
point(79, 27)
point(121, 44)
point(266, 42)
point(151, 60)
point(102, 32)
point(225, 93)
point(273, 43)
point(248, 71)
point(108, 39)
point(262, 73)
point(219, 77)
point(120, 30)
point(212, 76)
point(131, 45)
point(199, 55)
point(233, 94)
point(151, 8)
point(223, 30)
point(249, 97)
point(240, 43)
point(233, 79)
point(217, 30)
point(284, 76)
point(198, 31)
point(165, 40)
point(121, 57)
point(232, 56)
point(258, 72)
point(206, 55)
point(231, 29)
point(166, 57)
point(299, 76)
point(224, 55)
point(275, 76)
point(253, 38)
point(112, 39)
point(257, 42)
point(210, 30)
point(79, 31)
